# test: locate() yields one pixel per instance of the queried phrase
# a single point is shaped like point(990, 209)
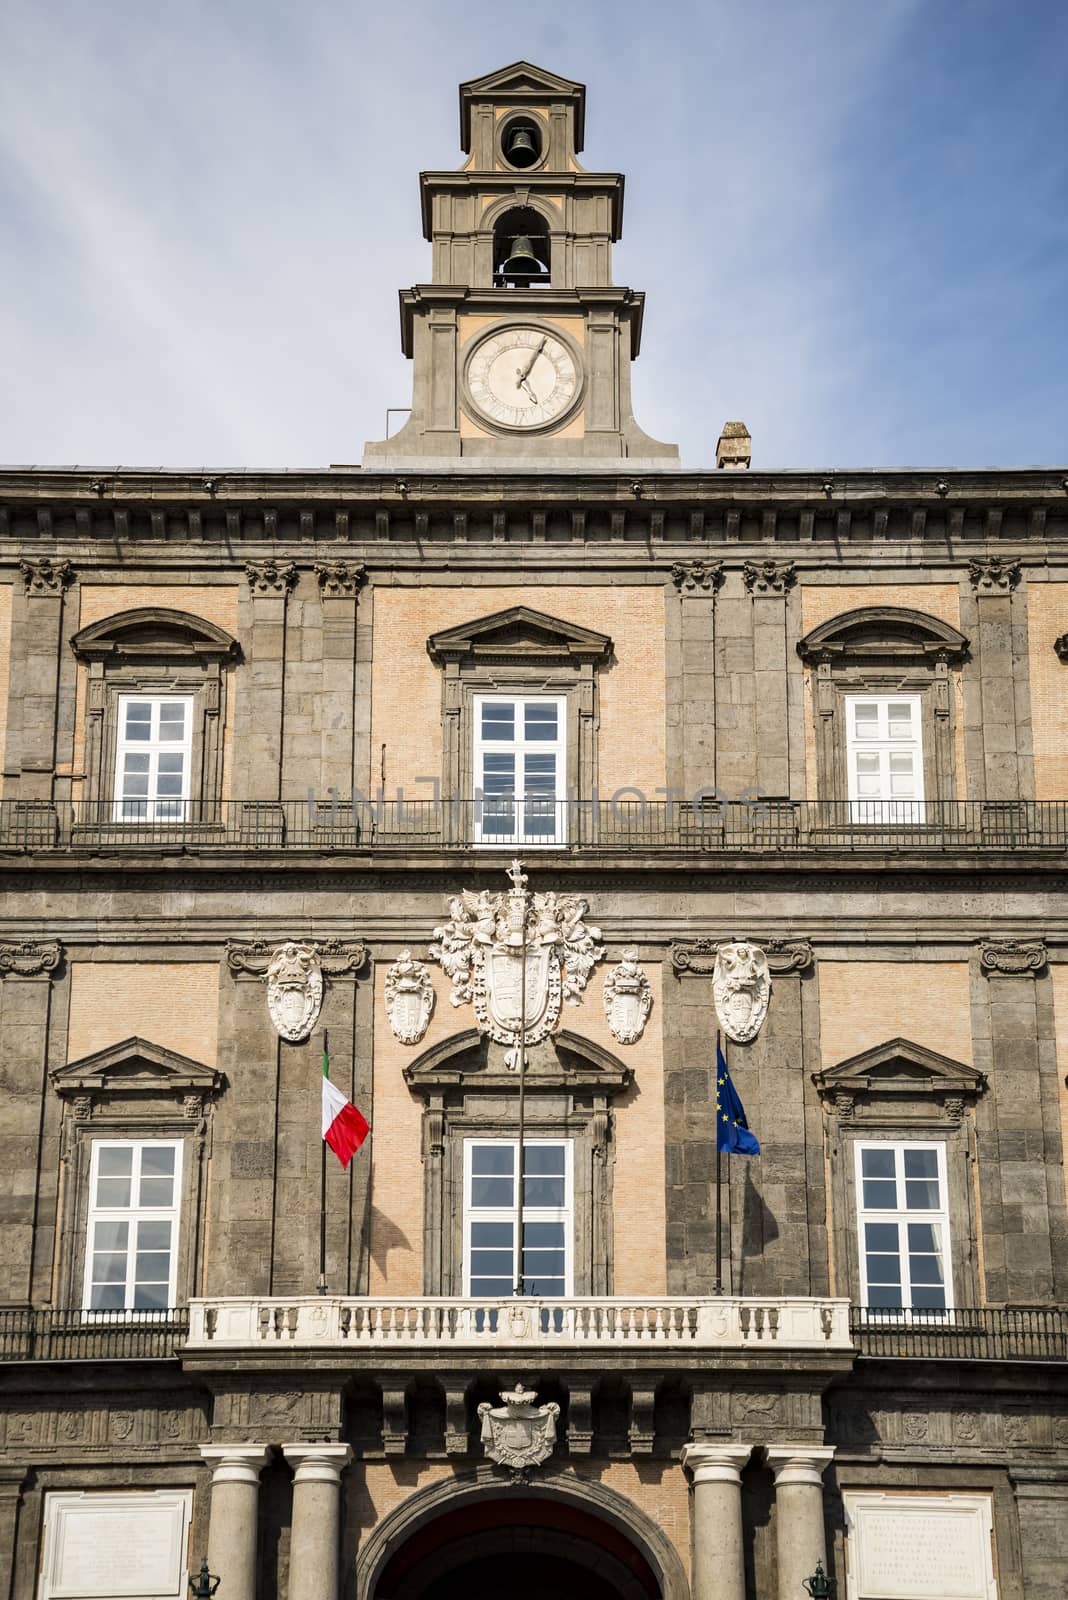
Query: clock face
point(522, 377)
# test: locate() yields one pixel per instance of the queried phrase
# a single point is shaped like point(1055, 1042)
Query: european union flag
point(732, 1130)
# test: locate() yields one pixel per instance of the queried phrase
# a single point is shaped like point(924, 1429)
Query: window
point(491, 1217)
point(903, 1223)
point(885, 759)
point(131, 1248)
point(153, 761)
point(519, 765)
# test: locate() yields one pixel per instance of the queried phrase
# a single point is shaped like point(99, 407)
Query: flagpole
point(322, 1181)
point(718, 1286)
point(522, 1091)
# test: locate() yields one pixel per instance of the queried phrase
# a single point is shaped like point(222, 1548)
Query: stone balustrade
point(716, 1322)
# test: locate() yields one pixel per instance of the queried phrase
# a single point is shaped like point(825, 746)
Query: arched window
point(521, 250)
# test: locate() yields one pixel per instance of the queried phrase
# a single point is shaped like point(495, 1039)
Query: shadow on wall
point(385, 1236)
point(759, 1227)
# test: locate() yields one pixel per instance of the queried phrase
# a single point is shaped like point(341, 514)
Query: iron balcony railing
point(717, 827)
point(50, 1335)
point(982, 1333)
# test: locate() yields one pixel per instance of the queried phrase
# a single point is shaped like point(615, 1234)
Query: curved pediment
point(472, 1060)
point(136, 1066)
point(520, 634)
point(883, 631)
point(153, 633)
point(903, 1068)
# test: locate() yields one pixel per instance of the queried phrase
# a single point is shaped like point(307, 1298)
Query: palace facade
point(519, 761)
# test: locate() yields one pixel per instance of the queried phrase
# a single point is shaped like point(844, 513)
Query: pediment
point(521, 81)
point(136, 1066)
point(519, 634)
point(883, 631)
point(901, 1067)
point(470, 1060)
point(153, 633)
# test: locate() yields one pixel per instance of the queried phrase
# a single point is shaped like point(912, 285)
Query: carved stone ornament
point(1061, 646)
point(45, 576)
point(29, 960)
point(627, 999)
point(517, 1433)
point(341, 579)
point(994, 573)
point(1012, 958)
point(692, 575)
point(741, 989)
point(479, 951)
point(769, 577)
point(294, 990)
point(697, 957)
point(409, 998)
point(270, 576)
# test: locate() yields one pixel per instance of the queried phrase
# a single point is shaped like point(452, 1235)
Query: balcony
point(983, 1333)
point(713, 828)
point(324, 1323)
point(92, 1336)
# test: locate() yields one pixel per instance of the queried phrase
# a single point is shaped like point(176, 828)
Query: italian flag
point(344, 1129)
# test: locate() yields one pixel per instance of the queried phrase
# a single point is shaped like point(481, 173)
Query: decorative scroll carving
point(409, 998)
point(627, 999)
point(29, 960)
point(787, 955)
point(769, 577)
point(270, 576)
point(693, 575)
point(1012, 957)
point(517, 1433)
point(341, 579)
point(479, 951)
point(294, 973)
point(741, 988)
point(43, 576)
point(696, 956)
point(336, 957)
point(991, 573)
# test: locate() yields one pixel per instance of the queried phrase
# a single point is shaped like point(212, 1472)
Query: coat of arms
point(490, 938)
point(409, 998)
point(741, 989)
point(294, 990)
point(517, 1433)
point(627, 998)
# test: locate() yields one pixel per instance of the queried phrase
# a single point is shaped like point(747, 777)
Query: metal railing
point(92, 1336)
point(718, 827)
point(979, 1333)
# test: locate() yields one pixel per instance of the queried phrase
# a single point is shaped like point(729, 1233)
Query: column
point(800, 1537)
point(313, 1546)
point(718, 1565)
point(234, 1522)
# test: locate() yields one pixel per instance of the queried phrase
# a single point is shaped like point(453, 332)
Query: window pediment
point(883, 633)
point(520, 634)
point(903, 1069)
point(154, 634)
point(139, 1067)
point(565, 1061)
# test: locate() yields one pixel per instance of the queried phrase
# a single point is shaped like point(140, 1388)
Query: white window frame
point(129, 808)
point(901, 1216)
point(133, 1215)
point(885, 808)
point(518, 748)
point(564, 1213)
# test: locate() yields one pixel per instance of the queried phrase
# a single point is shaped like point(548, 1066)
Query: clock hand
point(530, 364)
point(525, 385)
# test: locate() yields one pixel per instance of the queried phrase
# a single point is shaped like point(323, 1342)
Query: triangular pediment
point(902, 1067)
point(136, 1066)
point(520, 634)
point(521, 77)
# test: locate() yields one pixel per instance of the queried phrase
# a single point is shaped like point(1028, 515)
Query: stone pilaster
point(997, 706)
point(691, 705)
point(12, 1479)
point(260, 704)
point(800, 1532)
point(334, 702)
point(37, 621)
point(716, 1519)
point(313, 1549)
point(234, 1520)
point(25, 1005)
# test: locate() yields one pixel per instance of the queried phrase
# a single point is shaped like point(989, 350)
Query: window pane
point(553, 1287)
point(154, 1236)
point(899, 718)
point(879, 1194)
point(495, 1288)
point(929, 1299)
point(112, 1193)
point(544, 1191)
point(884, 1297)
point(157, 1160)
point(865, 719)
point(111, 1235)
point(542, 1236)
point(172, 720)
point(491, 1263)
point(498, 720)
point(138, 723)
point(150, 1296)
point(877, 1163)
point(923, 1237)
point(486, 1235)
point(492, 1158)
point(107, 1297)
point(113, 1161)
point(925, 1269)
point(152, 1266)
point(109, 1266)
point(544, 1158)
point(492, 1191)
point(540, 719)
point(921, 1163)
point(157, 1191)
point(881, 1236)
point(884, 1269)
point(921, 1194)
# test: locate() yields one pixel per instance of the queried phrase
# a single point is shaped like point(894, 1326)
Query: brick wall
point(1047, 619)
point(174, 1004)
point(865, 1003)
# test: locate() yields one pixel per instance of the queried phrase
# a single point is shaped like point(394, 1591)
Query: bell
point(522, 263)
point(520, 149)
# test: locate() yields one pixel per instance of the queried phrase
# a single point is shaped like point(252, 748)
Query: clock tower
point(521, 343)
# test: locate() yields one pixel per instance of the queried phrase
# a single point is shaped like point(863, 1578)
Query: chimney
point(735, 448)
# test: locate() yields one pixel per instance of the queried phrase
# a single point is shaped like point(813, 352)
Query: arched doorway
point(482, 1538)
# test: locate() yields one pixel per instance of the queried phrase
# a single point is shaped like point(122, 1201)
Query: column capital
point(318, 1463)
point(716, 1463)
point(235, 1463)
point(800, 1463)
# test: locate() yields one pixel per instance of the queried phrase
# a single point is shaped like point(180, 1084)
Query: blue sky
point(850, 219)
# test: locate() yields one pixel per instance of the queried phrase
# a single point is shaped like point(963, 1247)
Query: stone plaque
point(919, 1546)
point(85, 1533)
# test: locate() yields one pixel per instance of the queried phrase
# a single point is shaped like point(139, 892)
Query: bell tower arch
point(521, 343)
